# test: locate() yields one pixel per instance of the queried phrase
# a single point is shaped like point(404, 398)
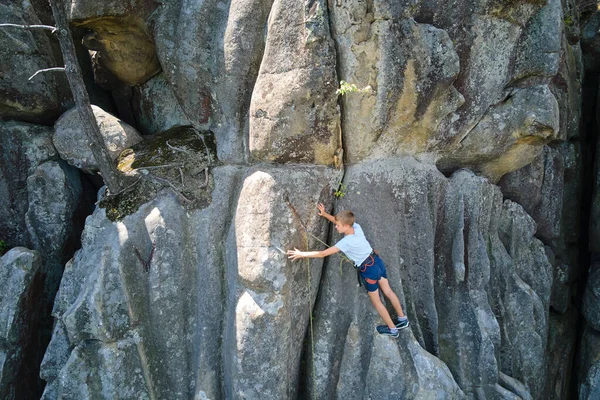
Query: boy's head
point(345, 218)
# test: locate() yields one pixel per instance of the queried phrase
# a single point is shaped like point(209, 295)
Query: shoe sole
point(394, 335)
point(403, 327)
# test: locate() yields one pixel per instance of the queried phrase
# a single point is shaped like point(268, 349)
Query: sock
point(393, 330)
point(402, 318)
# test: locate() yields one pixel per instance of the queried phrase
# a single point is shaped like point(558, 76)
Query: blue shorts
point(371, 271)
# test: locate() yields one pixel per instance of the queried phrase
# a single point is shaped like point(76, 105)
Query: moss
point(162, 150)
point(120, 206)
point(180, 162)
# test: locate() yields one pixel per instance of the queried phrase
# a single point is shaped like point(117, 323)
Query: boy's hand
point(295, 254)
point(321, 208)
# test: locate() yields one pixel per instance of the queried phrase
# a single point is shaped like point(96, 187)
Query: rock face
point(119, 36)
point(156, 107)
point(23, 148)
point(293, 114)
point(122, 294)
point(461, 154)
point(55, 197)
point(21, 281)
point(22, 53)
point(464, 270)
point(72, 144)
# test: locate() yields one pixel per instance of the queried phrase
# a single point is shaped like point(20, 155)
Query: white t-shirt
point(356, 247)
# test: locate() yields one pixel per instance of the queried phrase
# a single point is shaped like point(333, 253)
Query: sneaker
point(401, 323)
point(384, 330)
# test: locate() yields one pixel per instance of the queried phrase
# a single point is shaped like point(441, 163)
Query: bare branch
point(46, 70)
point(159, 166)
point(162, 180)
point(48, 27)
point(176, 148)
point(205, 177)
point(181, 175)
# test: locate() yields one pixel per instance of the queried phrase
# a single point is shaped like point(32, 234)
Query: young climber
point(356, 247)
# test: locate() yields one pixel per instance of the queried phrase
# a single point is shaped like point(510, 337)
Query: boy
point(357, 248)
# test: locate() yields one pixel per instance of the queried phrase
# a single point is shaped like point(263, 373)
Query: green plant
point(341, 191)
point(568, 20)
point(346, 88)
point(3, 247)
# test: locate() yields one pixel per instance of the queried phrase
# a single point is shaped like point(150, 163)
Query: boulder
point(156, 107)
point(271, 296)
point(119, 36)
point(22, 148)
point(539, 189)
point(72, 144)
point(57, 207)
point(20, 314)
point(294, 115)
point(520, 123)
point(23, 52)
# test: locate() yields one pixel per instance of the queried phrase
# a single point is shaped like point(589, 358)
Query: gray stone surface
point(22, 148)
point(410, 68)
point(590, 41)
point(72, 143)
point(538, 188)
point(20, 282)
point(156, 106)
point(22, 53)
point(55, 197)
point(560, 354)
point(540, 47)
point(213, 309)
point(294, 115)
point(510, 134)
point(209, 280)
point(118, 33)
point(469, 274)
point(520, 287)
point(212, 51)
point(567, 88)
point(591, 298)
point(270, 297)
point(589, 364)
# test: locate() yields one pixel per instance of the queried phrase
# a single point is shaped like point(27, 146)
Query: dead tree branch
point(46, 70)
point(52, 29)
point(115, 181)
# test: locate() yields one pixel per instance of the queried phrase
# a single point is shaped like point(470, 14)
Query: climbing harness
point(369, 262)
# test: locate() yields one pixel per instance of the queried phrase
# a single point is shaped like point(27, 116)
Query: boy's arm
point(296, 254)
point(324, 214)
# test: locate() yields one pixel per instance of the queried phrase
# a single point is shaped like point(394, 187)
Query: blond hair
point(345, 217)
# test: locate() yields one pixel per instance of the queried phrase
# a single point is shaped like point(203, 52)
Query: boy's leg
point(383, 312)
point(389, 293)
